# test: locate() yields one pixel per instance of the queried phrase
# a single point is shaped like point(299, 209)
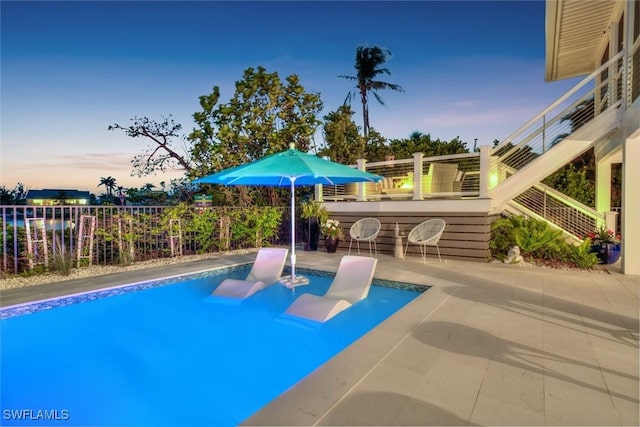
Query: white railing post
point(417, 176)
point(485, 171)
point(610, 221)
point(317, 193)
point(362, 190)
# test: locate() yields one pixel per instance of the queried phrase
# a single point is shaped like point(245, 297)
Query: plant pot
point(331, 244)
point(310, 234)
point(607, 253)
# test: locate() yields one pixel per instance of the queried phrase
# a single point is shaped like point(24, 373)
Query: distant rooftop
point(49, 195)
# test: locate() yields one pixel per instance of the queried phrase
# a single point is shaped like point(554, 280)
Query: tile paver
point(486, 345)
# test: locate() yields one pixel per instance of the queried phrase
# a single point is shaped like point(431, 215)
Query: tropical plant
point(367, 64)
point(537, 241)
point(314, 209)
point(582, 256)
point(109, 183)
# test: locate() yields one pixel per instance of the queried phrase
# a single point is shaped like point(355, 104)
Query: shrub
point(581, 256)
point(62, 259)
point(537, 240)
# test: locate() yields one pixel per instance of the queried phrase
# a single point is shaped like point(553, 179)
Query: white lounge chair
point(266, 270)
point(351, 284)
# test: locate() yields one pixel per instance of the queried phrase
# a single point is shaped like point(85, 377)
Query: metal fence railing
point(148, 231)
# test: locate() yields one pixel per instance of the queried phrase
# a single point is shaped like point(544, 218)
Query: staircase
point(583, 117)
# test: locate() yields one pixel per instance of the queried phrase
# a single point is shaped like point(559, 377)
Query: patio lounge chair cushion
point(439, 179)
point(351, 284)
point(266, 270)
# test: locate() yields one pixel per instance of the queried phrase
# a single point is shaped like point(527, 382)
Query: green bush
point(538, 241)
point(581, 256)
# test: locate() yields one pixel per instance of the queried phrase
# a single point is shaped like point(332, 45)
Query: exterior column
point(631, 205)
point(485, 171)
point(610, 221)
point(417, 176)
point(603, 185)
point(362, 189)
point(317, 193)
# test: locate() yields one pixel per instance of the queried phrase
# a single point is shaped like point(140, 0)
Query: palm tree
point(109, 183)
point(367, 65)
point(148, 187)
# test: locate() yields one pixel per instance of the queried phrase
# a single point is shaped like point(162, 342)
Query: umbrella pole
point(293, 231)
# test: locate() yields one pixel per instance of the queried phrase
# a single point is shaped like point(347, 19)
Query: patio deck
point(488, 344)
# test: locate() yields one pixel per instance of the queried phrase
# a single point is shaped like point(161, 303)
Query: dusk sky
point(70, 69)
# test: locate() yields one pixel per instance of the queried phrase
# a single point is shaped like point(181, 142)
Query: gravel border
point(20, 281)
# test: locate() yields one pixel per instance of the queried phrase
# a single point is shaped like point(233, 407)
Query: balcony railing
point(419, 178)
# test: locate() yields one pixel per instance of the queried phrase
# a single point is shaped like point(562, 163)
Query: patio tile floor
point(488, 344)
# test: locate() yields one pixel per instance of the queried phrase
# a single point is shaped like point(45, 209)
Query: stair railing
point(573, 217)
point(581, 104)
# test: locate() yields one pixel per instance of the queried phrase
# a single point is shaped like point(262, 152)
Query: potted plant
point(332, 233)
point(605, 244)
point(314, 214)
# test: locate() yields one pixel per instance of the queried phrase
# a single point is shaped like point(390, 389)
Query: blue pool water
point(170, 354)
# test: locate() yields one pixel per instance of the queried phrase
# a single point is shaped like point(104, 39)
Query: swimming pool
point(169, 354)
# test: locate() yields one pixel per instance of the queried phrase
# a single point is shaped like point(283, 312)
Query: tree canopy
point(343, 142)
point(419, 142)
point(264, 116)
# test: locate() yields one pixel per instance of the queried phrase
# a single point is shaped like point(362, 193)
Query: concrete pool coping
point(488, 344)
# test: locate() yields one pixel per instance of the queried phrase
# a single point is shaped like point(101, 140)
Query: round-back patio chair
point(365, 230)
point(425, 234)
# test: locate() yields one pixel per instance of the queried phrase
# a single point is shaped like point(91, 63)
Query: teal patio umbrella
point(290, 168)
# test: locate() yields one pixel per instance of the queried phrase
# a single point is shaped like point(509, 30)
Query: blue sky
point(70, 69)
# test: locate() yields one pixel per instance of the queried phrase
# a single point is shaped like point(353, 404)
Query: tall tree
point(343, 143)
point(148, 187)
point(368, 67)
point(264, 116)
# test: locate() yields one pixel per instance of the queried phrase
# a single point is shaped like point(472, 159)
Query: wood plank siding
point(466, 235)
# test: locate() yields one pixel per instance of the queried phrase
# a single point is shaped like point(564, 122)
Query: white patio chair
point(351, 284)
point(425, 234)
point(266, 270)
point(365, 230)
